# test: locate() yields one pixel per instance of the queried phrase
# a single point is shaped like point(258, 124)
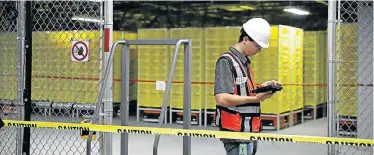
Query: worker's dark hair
point(244, 34)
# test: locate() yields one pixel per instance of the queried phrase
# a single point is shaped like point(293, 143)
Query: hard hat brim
point(262, 44)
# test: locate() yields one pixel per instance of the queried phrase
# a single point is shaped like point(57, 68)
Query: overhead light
point(239, 8)
point(232, 7)
point(95, 0)
point(247, 7)
point(296, 11)
point(87, 19)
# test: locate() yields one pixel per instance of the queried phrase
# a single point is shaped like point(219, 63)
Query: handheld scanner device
point(271, 88)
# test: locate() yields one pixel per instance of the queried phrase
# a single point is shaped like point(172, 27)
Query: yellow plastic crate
point(347, 103)
point(9, 83)
point(197, 96)
point(198, 67)
point(282, 61)
point(117, 66)
point(56, 77)
point(346, 89)
point(117, 63)
point(315, 68)
point(153, 65)
point(323, 64)
point(297, 68)
point(148, 96)
point(8, 62)
point(198, 57)
point(215, 46)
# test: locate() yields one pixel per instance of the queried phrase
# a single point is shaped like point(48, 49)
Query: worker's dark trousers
point(234, 148)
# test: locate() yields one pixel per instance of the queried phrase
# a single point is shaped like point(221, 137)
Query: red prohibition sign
point(76, 47)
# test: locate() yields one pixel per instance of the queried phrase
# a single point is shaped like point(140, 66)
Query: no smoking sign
point(79, 51)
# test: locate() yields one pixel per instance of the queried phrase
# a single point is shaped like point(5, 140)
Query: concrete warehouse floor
point(50, 141)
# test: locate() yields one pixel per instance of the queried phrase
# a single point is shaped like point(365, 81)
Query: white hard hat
point(259, 30)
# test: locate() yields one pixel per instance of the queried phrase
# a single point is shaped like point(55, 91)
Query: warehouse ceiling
point(131, 15)
point(145, 14)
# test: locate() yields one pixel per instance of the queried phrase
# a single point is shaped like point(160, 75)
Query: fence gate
point(351, 73)
point(66, 72)
point(67, 54)
point(11, 75)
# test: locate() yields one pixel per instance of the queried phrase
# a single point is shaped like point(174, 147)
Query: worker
point(238, 109)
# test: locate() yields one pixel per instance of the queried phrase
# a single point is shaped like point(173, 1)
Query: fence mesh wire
point(66, 72)
point(354, 74)
point(11, 21)
point(64, 90)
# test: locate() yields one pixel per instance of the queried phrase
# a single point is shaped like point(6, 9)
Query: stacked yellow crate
point(153, 65)
point(133, 65)
point(282, 61)
point(347, 70)
point(8, 62)
point(198, 66)
point(297, 96)
point(315, 68)
point(117, 35)
point(312, 63)
point(117, 66)
point(217, 41)
point(323, 67)
point(268, 67)
point(285, 67)
point(56, 77)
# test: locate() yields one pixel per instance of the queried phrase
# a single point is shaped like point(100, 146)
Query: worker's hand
point(262, 96)
point(272, 82)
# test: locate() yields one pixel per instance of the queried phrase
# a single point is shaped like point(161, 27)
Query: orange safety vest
point(245, 117)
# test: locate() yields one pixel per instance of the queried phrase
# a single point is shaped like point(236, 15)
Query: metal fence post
point(187, 96)
point(373, 86)
point(125, 97)
point(12, 73)
point(331, 71)
point(28, 74)
point(108, 93)
point(21, 70)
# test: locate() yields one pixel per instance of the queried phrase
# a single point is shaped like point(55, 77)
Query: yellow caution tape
point(194, 133)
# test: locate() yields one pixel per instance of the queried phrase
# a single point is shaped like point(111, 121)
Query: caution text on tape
point(194, 133)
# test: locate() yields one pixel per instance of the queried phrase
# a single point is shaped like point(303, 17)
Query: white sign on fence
point(79, 51)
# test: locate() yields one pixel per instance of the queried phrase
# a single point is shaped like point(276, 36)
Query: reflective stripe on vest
point(242, 81)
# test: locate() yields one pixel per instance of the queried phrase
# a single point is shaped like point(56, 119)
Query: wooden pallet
point(209, 117)
point(176, 115)
point(298, 117)
point(315, 112)
point(275, 122)
point(280, 121)
point(194, 118)
point(347, 126)
point(152, 116)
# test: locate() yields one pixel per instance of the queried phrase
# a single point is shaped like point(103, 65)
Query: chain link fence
point(353, 91)
point(11, 75)
point(66, 72)
point(67, 59)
